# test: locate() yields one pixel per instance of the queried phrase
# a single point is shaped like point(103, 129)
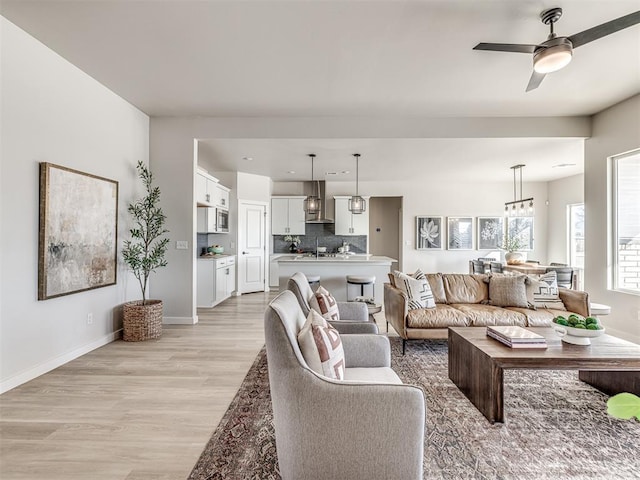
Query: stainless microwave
point(222, 220)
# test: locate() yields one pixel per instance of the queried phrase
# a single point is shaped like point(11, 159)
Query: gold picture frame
point(78, 231)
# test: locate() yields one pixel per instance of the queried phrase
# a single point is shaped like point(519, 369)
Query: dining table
point(537, 269)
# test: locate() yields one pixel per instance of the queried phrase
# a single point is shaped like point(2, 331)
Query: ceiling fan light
point(552, 59)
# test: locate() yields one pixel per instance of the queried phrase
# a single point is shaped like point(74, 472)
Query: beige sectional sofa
point(463, 300)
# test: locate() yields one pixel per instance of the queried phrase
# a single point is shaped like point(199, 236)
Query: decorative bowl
point(576, 336)
point(217, 249)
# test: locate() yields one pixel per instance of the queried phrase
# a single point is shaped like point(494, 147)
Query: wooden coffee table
point(477, 362)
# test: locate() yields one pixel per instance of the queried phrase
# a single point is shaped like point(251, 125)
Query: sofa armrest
point(575, 301)
point(366, 351)
point(348, 327)
point(396, 306)
point(354, 311)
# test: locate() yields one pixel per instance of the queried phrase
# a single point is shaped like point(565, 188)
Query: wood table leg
point(477, 376)
point(612, 383)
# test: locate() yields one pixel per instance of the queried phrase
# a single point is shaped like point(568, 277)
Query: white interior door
point(252, 246)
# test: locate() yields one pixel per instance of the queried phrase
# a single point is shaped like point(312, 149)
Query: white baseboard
point(180, 320)
point(624, 335)
point(54, 363)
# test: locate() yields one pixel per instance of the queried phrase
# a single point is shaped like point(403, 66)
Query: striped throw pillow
point(417, 289)
point(543, 292)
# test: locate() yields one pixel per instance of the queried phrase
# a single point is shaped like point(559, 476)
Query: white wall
point(563, 192)
point(615, 130)
point(172, 161)
point(53, 112)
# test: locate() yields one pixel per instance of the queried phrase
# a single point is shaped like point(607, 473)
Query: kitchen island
point(333, 271)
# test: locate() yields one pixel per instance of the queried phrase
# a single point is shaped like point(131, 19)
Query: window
point(626, 222)
point(576, 235)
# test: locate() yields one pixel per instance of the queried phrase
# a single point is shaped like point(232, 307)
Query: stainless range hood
point(317, 187)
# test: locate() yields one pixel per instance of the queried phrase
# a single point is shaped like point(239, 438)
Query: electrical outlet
point(407, 243)
point(89, 318)
point(182, 245)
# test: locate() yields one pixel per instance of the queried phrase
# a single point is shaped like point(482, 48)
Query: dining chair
point(496, 267)
point(564, 275)
point(478, 266)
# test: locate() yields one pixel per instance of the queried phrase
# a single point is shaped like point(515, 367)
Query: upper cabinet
point(348, 223)
point(287, 215)
point(206, 190)
point(209, 193)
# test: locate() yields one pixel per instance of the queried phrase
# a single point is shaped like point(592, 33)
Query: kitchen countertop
point(215, 256)
point(341, 259)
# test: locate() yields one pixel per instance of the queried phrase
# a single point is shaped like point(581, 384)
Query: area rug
point(556, 427)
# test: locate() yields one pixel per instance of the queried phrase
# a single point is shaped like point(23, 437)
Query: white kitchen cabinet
point(206, 189)
point(287, 216)
point(206, 220)
point(222, 196)
point(348, 223)
point(225, 278)
point(216, 280)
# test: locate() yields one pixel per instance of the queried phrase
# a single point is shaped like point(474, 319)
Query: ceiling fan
point(556, 52)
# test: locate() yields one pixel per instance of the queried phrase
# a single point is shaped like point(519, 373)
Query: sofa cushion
point(324, 303)
point(542, 292)
point(417, 289)
point(465, 288)
point(483, 315)
point(440, 317)
point(437, 287)
point(508, 291)
point(321, 347)
point(371, 374)
point(539, 318)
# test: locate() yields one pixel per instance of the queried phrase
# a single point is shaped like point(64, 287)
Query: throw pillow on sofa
point(417, 289)
point(321, 347)
point(508, 291)
point(542, 292)
point(324, 303)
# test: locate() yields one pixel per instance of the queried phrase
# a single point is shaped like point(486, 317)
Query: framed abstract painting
point(77, 247)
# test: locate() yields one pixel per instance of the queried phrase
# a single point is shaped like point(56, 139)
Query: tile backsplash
point(325, 233)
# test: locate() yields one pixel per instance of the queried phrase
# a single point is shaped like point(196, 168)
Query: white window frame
point(571, 257)
point(613, 222)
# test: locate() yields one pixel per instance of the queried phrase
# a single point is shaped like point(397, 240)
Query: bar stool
point(314, 281)
point(361, 280)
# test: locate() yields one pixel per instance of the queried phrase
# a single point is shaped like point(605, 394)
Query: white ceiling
point(340, 58)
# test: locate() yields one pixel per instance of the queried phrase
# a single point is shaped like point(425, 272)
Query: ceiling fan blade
point(604, 29)
point(535, 80)
point(506, 47)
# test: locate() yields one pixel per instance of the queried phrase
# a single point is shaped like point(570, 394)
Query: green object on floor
point(624, 406)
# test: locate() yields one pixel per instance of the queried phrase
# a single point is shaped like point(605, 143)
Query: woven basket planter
point(142, 322)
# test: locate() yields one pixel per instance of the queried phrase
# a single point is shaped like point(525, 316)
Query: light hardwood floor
point(133, 410)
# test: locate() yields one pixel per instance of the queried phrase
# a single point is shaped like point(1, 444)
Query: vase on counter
point(293, 248)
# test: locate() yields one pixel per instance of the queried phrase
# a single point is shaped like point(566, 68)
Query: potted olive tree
point(144, 253)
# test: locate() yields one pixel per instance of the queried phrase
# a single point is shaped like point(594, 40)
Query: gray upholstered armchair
point(369, 426)
point(354, 316)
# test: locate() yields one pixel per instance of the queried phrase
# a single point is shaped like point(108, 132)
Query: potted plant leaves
point(144, 253)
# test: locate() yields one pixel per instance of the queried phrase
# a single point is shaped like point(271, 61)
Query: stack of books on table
point(517, 337)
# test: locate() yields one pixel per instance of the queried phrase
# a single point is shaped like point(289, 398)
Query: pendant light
point(357, 204)
point(522, 207)
point(312, 202)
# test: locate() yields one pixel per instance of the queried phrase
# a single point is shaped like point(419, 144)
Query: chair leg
point(387, 327)
point(404, 344)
